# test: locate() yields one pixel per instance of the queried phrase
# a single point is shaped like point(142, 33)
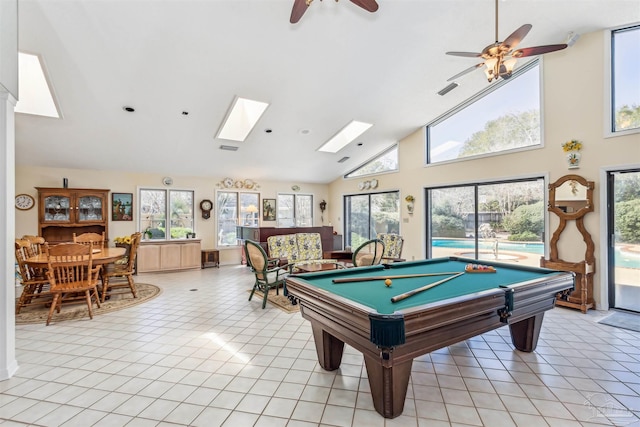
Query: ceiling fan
point(300, 7)
point(500, 58)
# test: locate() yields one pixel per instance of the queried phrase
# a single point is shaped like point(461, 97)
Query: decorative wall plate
point(248, 184)
point(167, 180)
point(295, 188)
point(227, 183)
point(374, 183)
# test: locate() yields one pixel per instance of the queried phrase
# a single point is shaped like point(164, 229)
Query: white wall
point(573, 108)
point(29, 177)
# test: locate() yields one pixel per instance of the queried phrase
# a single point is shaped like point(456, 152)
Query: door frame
point(606, 288)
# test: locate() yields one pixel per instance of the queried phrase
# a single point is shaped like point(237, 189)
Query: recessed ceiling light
point(344, 159)
point(360, 144)
point(350, 132)
point(128, 109)
point(241, 118)
point(229, 147)
point(268, 130)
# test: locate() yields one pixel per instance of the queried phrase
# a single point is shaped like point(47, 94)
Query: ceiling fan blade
point(369, 5)
point(537, 50)
point(465, 54)
point(516, 37)
point(299, 8)
point(468, 70)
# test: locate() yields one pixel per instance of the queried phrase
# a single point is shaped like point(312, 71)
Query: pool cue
point(424, 288)
point(401, 276)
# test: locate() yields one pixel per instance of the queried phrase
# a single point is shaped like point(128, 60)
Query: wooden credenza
point(174, 255)
point(64, 211)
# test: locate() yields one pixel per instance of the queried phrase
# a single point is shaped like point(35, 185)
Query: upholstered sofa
point(298, 248)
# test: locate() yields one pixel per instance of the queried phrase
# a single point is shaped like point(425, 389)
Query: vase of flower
point(573, 159)
point(572, 148)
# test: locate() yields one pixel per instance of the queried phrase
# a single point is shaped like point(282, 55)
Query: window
point(235, 209)
point(504, 117)
point(158, 205)
point(385, 162)
point(366, 215)
point(625, 85)
point(295, 210)
point(501, 221)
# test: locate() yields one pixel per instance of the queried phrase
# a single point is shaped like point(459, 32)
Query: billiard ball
point(387, 282)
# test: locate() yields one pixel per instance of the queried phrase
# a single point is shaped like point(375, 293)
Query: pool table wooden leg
point(328, 347)
point(388, 385)
point(525, 333)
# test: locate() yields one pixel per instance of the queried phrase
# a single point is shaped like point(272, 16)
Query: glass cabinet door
point(57, 209)
point(90, 208)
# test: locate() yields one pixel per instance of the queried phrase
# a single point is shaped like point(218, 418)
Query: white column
point(8, 362)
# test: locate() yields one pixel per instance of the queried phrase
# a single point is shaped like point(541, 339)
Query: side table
point(210, 255)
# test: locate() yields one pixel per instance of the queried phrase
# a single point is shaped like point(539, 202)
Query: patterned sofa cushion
point(283, 246)
point(309, 246)
point(392, 245)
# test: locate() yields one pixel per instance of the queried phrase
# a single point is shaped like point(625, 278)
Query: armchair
point(392, 247)
point(267, 277)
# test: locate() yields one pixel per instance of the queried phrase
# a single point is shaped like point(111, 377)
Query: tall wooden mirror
point(571, 198)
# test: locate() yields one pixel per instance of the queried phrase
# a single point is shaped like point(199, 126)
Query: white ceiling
point(337, 64)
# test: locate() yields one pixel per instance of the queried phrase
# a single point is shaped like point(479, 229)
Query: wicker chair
point(71, 271)
point(35, 286)
point(122, 270)
point(94, 239)
point(266, 278)
point(368, 253)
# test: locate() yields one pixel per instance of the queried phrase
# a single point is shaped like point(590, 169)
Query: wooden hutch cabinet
point(64, 211)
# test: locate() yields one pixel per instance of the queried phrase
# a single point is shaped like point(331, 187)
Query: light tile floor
point(200, 354)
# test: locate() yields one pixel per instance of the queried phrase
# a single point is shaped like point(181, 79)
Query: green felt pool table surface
point(390, 335)
point(377, 296)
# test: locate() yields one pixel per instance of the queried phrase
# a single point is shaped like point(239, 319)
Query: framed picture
point(121, 206)
point(268, 209)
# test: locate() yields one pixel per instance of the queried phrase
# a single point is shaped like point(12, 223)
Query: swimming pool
point(528, 247)
point(623, 259)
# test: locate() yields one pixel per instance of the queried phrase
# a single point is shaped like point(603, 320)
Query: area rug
point(78, 310)
point(279, 301)
point(623, 320)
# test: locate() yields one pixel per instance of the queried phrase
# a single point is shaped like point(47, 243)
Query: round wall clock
point(206, 205)
point(24, 202)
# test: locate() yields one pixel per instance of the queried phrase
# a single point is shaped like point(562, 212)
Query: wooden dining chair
point(71, 271)
point(94, 239)
point(112, 271)
point(36, 244)
point(35, 285)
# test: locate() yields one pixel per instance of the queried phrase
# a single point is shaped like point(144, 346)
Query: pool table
point(390, 335)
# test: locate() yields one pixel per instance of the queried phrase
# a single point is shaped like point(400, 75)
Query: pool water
point(622, 259)
point(532, 248)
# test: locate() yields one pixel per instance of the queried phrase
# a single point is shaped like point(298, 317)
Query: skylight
point(34, 91)
point(242, 117)
point(345, 136)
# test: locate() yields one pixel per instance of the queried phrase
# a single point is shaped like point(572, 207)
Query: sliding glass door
point(624, 239)
point(501, 221)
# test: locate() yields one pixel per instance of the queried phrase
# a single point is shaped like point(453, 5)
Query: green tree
point(628, 221)
point(506, 132)
point(526, 222)
point(628, 117)
point(447, 226)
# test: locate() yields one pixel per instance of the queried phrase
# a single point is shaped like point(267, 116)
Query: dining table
point(99, 257)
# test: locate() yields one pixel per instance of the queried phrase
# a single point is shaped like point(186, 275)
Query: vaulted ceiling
point(339, 63)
